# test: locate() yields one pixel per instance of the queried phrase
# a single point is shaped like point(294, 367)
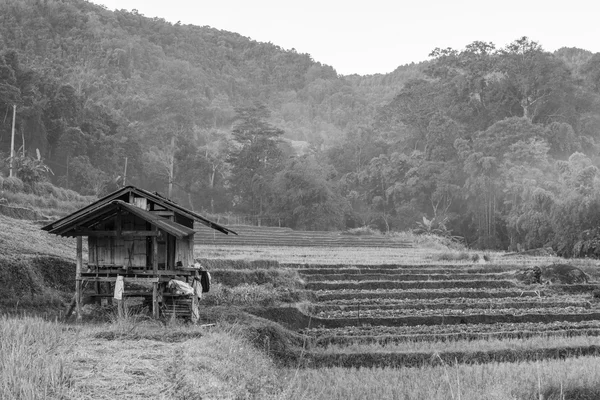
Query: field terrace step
point(269, 242)
point(404, 270)
point(392, 275)
point(467, 293)
point(452, 304)
point(407, 285)
point(417, 332)
point(454, 319)
point(361, 313)
point(434, 268)
point(268, 236)
point(325, 340)
point(420, 360)
point(529, 297)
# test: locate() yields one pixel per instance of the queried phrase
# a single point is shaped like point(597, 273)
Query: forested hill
point(127, 61)
point(121, 74)
point(498, 145)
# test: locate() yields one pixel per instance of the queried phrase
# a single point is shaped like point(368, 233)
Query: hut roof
point(109, 210)
point(106, 206)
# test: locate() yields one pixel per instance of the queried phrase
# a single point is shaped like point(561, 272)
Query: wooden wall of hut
point(120, 251)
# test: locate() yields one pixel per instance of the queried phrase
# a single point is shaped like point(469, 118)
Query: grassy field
point(244, 356)
point(342, 278)
point(131, 359)
point(548, 380)
point(427, 253)
point(139, 359)
point(43, 200)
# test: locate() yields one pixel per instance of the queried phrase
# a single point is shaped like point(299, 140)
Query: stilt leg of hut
point(98, 290)
point(195, 316)
point(155, 272)
point(155, 300)
point(78, 267)
point(121, 308)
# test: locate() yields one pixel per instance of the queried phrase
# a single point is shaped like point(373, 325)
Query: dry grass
point(539, 342)
point(41, 360)
point(214, 362)
point(32, 360)
point(131, 359)
point(578, 379)
point(20, 238)
point(369, 256)
point(36, 268)
point(45, 199)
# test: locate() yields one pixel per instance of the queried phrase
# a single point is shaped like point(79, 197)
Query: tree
point(534, 80)
point(484, 160)
point(255, 158)
point(305, 196)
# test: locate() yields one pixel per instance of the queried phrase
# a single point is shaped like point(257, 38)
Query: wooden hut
point(138, 236)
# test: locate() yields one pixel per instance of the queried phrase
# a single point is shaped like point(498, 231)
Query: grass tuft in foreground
point(573, 379)
point(32, 364)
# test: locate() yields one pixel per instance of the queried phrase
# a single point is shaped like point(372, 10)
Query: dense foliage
point(497, 145)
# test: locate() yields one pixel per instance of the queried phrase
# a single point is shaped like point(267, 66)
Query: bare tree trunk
point(171, 167)
point(190, 201)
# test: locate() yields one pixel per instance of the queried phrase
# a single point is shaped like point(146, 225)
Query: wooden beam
point(163, 213)
point(100, 217)
point(113, 233)
point(125, 279)
point(126, 294)
point(78, 265)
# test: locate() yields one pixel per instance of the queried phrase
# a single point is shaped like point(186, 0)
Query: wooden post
point(155, 254)
point(78, 267)
point(155, 272)
point(121, 308)
point(12, 142)
point(155, 300)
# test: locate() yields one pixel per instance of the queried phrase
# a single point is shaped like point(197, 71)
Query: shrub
point(242, 295)
point(213, 264)
point(276, 277)
point(362, 231)
point(13, 184)
point(454, 256)
point(251, 295)
point(43, 188)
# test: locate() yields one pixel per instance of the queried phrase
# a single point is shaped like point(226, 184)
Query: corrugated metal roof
point(108, 209)
point(154, 197)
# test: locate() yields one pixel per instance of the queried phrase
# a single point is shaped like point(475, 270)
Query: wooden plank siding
point(184, 251)
point(128, 251)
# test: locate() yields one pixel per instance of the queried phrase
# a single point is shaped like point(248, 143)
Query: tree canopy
point(498, 145)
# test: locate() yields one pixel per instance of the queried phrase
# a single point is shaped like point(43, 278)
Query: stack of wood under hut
point(140, 244)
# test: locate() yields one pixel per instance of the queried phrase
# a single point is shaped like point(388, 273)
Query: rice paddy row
point(269, 236)
point(375, 316)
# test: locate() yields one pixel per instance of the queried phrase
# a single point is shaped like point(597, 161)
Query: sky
point(377, 36)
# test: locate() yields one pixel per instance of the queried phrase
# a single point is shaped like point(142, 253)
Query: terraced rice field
point(273, 236)
point(433, 314)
